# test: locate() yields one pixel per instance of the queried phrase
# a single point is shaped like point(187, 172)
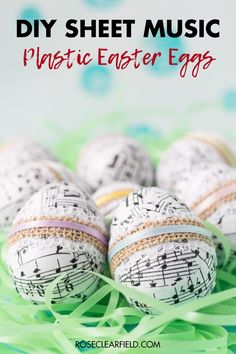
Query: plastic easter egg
point(18, 184)
point(16, 153)
point(160, 248)
point(58, 231)
point(193, 152)
point(211, 194)
point(115, 158)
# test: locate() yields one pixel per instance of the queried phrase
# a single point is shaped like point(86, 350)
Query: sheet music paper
point(214, 178)
point(174, 276)
point(115, 158)
point(35, 261)
point(185, 156)
point(19, 184)
point(175, 271)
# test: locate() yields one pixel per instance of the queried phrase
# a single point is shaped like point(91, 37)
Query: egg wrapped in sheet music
point(115, 158)
point(18, 184)
point(211, 194)
point(57, 231)
point(108, 198)
point(187, 155)
point(160, 248)
point(16, 153)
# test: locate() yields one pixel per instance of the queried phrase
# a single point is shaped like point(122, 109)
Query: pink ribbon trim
point(214, 198)
point(60, 224)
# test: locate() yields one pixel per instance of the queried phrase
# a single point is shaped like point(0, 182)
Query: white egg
point(115, 158)
point(58, 231)
point(160, 248)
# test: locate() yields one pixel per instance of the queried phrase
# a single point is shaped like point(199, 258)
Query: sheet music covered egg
point(159, 247)
point(18, 184)
point(115, 158)
point(187, 155)
point(108, 198)
point(211, 194)
point(58, 230)
point(14, 154)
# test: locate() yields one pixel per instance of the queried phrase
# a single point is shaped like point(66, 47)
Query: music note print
point(184, 272)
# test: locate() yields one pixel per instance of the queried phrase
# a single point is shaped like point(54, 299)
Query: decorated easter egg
point(18, 152)
point(195, 151)
point(108, 198)
point(18, 184)
point(211, 194)
point(115, 158)
point(57, 231)
point(160, 248)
